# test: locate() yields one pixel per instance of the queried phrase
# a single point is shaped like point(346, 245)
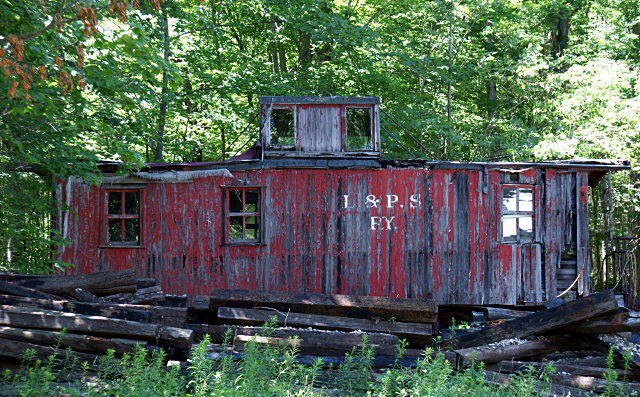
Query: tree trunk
point(274, 46)
point(162, 117)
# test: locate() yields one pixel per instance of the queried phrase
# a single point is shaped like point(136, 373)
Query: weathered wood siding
point(416, 233)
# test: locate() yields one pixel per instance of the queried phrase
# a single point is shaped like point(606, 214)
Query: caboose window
point(123, 217)
point(243, 215)
point(359, 129)
point(517, 214)
point(282, 128)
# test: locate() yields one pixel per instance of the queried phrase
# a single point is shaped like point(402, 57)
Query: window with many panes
point(517, 214)
point(242, 215)
point(123, 217)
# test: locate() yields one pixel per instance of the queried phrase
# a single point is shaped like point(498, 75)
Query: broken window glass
point(359, 129)
point(282, 128)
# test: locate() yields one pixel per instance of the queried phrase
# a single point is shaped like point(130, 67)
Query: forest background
point(180, 80)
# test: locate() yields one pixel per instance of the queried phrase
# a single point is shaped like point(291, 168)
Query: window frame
point(228, 215)
point(122, 216)
point(518, 214)
point(294, 109)
point(345, 132)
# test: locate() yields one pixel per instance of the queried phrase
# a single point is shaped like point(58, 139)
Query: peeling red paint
point(400, 232)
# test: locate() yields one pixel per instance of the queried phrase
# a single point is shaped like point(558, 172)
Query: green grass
point(264, 370)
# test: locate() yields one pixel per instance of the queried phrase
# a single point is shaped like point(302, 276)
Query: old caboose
point(315, 209)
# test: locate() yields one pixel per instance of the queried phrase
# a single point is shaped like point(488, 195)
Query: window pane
point(115, 230)
point(525, 224)
point(235, 200)
point(358, 128)
point(131, 230)
point(251, 201)
point(509, 199)
point(282, 127)
point(115, 203)
point(509, 229)
point(131, 203)
point(252, 227)
point(525, 199)
point(235, 228)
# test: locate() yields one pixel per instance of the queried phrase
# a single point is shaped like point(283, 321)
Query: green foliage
point(469, 80)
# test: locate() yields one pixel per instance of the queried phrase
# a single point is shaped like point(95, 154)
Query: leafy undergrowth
point(263, 370)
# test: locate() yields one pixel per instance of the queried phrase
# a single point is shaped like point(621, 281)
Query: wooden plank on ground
point(325, 342)
point(496, 353)
point(14, 289)
point(95, 325)
point(171, 316)
point(619, 322)
point(543, 321)
point(414, 310)
point(77, 342)
point(413, 332)
point(96, 283)
point(509, 366)
point(16, 349)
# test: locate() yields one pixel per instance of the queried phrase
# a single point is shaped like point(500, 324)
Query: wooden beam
point(493, 354)
point(413, 332)
point(372, 307)
point(77, 342)
point(15, 349)
point(11, 288)
point(543, 321)
point(97, 283)
point(328, 343)
point(509, 366)
point(171, 316)
point(619, 322)
point(95, 325)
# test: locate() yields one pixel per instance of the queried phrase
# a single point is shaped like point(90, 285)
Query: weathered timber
point(11, 288)
point(83, 296)
point(114, 311)
point(423, 311)
point(95, 325)
point(493, 354)
point(96, 283)
point(413, 332)
point(594, 384)
point(15, 349)
point(121, 289)
point(509, 366)
point(141, 296)
point(618, 354)
point(77, 342)
point(619, 322)
point(171, 316)
point(545, 320)
point(496, 378)
point(145, 282)
point(498, 313)
point(324, 341)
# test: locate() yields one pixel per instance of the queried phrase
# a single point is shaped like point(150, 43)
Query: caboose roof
point(324, 100)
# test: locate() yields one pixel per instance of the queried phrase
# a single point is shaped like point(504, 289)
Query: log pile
point(88, 314)
point(325, 325)
point(565, 336)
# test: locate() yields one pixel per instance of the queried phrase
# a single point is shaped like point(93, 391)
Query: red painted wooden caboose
point(317, 210)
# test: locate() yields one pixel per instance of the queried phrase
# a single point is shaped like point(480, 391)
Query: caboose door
point(520, 237)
